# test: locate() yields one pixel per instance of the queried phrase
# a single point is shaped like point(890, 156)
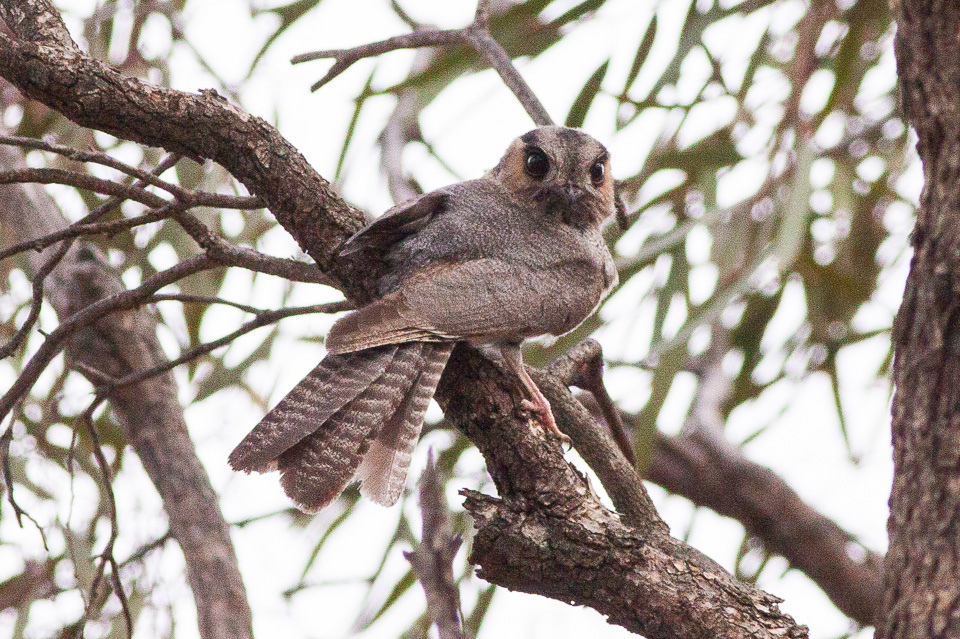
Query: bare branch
point(126, 300)
point(495, 55)
point(37, 22)
point(432, 559)
point(199, 126)
point(264, 318)
point(202, 299)
point(53, 260)
point(229, 255)
point(346, 57)
point(19, 512)
point(56, 340)
point(86, 418)
point(540, 491)
point(476, 35)
point(82, 181)
point(37, 283)
point(540, 535)
point(188, 196)
point(582, 366)
point(83, 228)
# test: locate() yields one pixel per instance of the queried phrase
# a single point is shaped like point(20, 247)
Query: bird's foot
point(544, 415)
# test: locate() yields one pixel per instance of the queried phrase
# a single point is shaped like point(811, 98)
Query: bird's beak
point(572, 193)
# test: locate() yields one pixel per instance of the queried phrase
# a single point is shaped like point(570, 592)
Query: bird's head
point(564, 171)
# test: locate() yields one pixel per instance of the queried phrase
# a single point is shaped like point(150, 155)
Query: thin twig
point(263, 318)
point(121, 595)
point(346, 57)
point(84, 228)
point(108, 206)
point(57, 339)
point(36, 302)
point(432, 559)
point(201, 299)
point(195, 198)
point(229, 255)
point(86, 418)
point(197, 230)
point(83, 181)
point(19, 512)
point(475, 35)
point(40, 277)
point(146, 549)
point(497, 57)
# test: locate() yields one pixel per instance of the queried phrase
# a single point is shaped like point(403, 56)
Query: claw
point(544, 416)
point(537, 403)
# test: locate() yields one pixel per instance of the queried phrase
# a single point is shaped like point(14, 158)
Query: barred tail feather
point(317, 469)
point(383, 471)
point(333, 384)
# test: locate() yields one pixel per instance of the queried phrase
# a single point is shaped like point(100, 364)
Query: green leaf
point(642, 52)
point(365, 93)
point(351, 504)
point(288, 15)
point(399, 588)
point(796, 212)
point(471, 625)
point(578, 111)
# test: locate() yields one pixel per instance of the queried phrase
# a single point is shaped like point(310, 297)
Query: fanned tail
point(334, 383)
point(383, 470)
point(318, 468)
point(357, 415)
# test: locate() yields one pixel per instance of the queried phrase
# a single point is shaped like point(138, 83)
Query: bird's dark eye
point(537, 164)
point(597, 173)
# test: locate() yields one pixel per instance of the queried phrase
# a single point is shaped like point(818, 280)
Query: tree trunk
point(922, 575)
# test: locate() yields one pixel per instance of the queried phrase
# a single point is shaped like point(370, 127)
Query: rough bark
point(149, 412)
point(702, 466)
point(710, 472)
point(547, 533)
point(921, 585)
point(200, 126)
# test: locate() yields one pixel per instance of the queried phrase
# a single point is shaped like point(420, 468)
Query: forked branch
point(476, 35)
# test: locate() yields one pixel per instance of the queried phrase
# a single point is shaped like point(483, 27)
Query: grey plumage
point(338, 379)
point(515, 254)
point(384, 468)
point(320, 466)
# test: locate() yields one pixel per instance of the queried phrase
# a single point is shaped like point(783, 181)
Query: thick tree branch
point(711, 473)
point(547, 533)
point(94, 94)
point(703, 467)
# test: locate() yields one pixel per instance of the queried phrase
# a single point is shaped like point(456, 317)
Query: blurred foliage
point(806, 125)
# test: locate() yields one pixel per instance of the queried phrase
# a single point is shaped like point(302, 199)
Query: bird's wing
point(398, 222)
point(479, 299)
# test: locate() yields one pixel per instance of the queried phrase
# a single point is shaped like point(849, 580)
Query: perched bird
point(515, 254)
